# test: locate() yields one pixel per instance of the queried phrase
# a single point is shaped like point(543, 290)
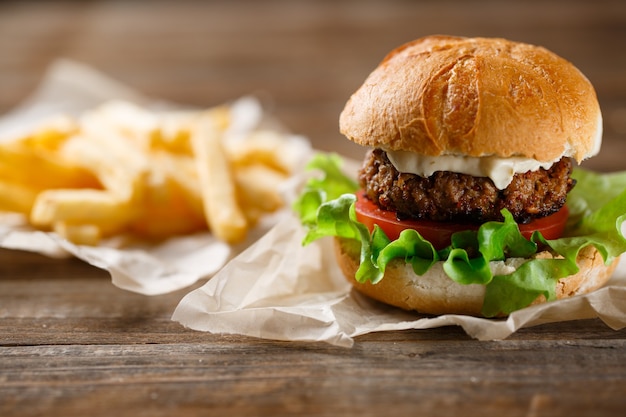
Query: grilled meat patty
point(450, 196)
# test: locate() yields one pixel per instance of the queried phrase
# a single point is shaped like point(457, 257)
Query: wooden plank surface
point(72, 344)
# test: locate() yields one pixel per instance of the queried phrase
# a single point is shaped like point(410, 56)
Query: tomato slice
point(439, 233)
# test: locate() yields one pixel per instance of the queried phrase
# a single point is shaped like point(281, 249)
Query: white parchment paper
point(147, 268)
point(278, 289)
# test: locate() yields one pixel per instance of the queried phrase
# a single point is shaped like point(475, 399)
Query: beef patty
point(450, 196)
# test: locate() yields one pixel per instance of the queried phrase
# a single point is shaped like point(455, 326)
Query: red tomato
point(439, 233)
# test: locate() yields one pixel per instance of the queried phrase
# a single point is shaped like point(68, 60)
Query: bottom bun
point(435, 293)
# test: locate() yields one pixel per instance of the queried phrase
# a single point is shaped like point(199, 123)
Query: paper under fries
point(123, 169)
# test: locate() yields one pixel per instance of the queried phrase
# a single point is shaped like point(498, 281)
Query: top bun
point(476, 97)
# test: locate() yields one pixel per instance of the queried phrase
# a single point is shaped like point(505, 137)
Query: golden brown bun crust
point(475, 97)
point(436, 293)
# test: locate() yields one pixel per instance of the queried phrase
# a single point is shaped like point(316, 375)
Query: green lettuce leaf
point(597, 210)
point(331, 185)
point(507, 293)
point(411, 247)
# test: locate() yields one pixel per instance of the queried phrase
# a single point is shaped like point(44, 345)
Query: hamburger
point(467, 200)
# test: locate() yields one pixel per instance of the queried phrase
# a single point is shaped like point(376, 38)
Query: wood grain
point(72, 344)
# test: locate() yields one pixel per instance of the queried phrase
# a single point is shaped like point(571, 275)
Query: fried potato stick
point(223, 214)
point(16, 197)
point(81, 206)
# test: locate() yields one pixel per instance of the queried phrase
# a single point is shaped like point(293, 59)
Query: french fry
point(174, 132)
point(123, 178)
point(40, 169)
point(128, 120)
point(110, 140)
point(165, 210)
point(16, 197)
point(266, 147)
point(181, 170)
point(223, 214)
point(219, 117)
point(175, 127)
point(253, 214)
point(258, 186)
point(80, 234)
point(120, 168)
point(81, 206)
point(51, 133)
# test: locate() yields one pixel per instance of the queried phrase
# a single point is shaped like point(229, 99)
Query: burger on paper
point(470, 199)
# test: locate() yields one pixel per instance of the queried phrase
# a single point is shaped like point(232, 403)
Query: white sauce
point(500, 170)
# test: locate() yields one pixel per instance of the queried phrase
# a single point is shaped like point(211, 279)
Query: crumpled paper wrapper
point(146, 268)
point(279, 289)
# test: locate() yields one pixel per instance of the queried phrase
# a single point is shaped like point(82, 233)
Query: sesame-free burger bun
point(476, 97)
point(435, 293)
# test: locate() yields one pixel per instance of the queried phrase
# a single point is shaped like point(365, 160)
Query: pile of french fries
point(120, 169)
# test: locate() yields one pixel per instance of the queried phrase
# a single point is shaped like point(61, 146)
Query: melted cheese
point(500, 170)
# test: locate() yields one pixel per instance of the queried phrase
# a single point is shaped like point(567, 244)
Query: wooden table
point(73, 344)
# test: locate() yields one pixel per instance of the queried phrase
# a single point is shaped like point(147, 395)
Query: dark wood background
point(72, 344)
